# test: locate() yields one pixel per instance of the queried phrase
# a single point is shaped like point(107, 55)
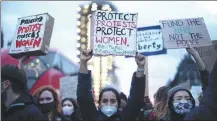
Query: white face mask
point(67, 111)
point(109, 110)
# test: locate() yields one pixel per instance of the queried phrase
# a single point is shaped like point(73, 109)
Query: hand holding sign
point(22, 60)
point(197, 58)
point(192, 51)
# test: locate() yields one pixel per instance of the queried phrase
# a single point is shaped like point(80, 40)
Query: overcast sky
point(161, 68)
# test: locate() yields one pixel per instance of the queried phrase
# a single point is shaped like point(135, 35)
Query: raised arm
point(84, 89)
point(201, 66)
point(137, 91)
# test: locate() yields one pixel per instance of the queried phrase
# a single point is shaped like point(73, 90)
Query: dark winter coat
point(89, 110)
point(173, 116)
point(207, 109)
point(61, 117)
point(23, 108)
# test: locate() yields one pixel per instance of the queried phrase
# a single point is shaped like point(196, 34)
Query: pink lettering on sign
point(112, 40)
point(30, 28)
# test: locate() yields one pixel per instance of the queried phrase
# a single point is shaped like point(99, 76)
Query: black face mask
point(48, 107)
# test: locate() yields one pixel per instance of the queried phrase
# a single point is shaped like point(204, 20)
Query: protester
point(201, 66)
point(147, 105)
point(16, 103)
point(70, 109)
point(109, 99)
point(123, 99)
point(160, 105)
point(180, 99)
point(207, 109)
point(49, 103)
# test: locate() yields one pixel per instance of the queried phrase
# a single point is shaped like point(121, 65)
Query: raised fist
point(140, 60)
point(86, 55)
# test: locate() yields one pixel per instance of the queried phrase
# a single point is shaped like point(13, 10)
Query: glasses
point(46, 98)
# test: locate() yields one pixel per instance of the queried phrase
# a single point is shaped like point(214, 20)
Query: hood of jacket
point(22, 100)
point(171, 93)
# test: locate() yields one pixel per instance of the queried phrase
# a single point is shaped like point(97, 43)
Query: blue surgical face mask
point(182, 106)
point(109, 110)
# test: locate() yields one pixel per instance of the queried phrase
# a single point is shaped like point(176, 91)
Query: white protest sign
point(68, 87)
point(195, 91)
point(208, 54)
point(177, 33)
point(150, 41)
point(32, 36)
point(113, 33)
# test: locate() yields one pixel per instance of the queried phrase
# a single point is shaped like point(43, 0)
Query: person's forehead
point(181, 93)
point(108, 95)
point(67, 102)
point(46, 93)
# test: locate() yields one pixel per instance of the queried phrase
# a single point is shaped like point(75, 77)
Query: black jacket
point(173, 116)
point(89, 110)
point(23, 109)
point(207, 109)
point(61, 117)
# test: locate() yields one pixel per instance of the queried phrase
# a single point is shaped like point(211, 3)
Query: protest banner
point(113, 33)
point(68, 87)
point(177, 33)
point(208, 54)
point(150, 41)
point(32, 36)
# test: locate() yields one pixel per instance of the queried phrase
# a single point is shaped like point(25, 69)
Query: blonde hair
point(160, 109)
point(161, 106)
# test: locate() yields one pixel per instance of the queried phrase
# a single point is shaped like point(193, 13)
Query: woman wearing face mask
point(180, 102)
point(109, 98)
point(48, 101)
point(70, 109)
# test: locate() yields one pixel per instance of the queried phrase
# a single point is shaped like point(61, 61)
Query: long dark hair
point(77, 114)
point(73, 101)
point(114, 91)
point(161, 106)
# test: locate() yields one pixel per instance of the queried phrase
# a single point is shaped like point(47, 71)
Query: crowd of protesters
point(170, 103)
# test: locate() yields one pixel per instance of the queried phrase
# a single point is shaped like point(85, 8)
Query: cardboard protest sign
point(113, 33)
point(177, 33)
point(68, 87)
point(32, 36)
point(150, 41)
point(208, 54)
